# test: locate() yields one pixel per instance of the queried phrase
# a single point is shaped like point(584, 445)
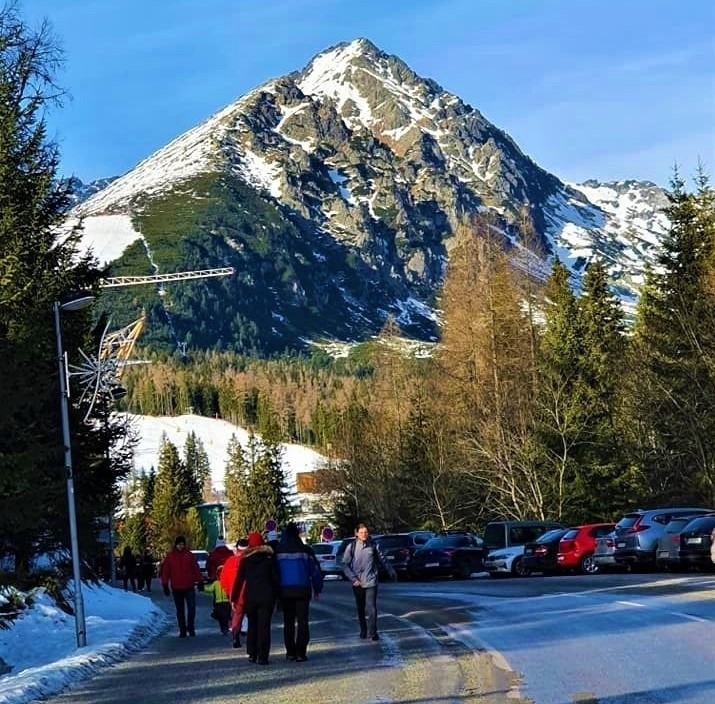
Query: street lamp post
point(75, 304)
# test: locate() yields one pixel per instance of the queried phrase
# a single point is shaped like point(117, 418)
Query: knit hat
point(255, 539)
point(242, 544)
point(220, 543)
point(179, 539)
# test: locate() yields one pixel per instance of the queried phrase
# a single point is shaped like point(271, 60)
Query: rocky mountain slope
point(335, 192)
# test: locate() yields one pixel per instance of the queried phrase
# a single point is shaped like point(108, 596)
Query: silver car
point(637, 533)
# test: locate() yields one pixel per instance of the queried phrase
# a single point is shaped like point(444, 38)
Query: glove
point(200, 586)
point(167, 591)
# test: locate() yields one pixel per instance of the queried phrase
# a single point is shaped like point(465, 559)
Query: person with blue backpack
point(300, 578)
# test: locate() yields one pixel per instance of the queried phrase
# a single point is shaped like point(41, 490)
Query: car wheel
point(518, 569)
point(588, 564)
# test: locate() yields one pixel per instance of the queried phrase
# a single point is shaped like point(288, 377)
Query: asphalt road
point(604, 639)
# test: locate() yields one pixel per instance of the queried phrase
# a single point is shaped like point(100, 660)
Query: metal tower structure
point(102, 373)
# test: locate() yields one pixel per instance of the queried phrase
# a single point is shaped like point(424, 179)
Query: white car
point(506, 561)
point(201, 557)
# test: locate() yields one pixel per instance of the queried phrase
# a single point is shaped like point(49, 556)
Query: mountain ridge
point(364, 171)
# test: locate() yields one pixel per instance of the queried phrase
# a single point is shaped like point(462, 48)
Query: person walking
point(147, 568)
point(361, 564)
point(181, 571)
point(300, 577)
point(258, 571)
point(227, 578)
point(128, 565)
point(221, 605)
point(217, 557)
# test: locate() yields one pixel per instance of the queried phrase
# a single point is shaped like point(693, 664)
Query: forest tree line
point(537, 403)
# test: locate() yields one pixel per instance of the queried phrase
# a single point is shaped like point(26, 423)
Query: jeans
point(366, 602)
point(296, 610)
point(186, 619)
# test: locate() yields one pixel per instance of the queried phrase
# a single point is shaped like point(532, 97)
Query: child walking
point(222, 606)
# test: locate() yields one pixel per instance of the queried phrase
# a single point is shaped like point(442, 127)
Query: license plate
point(528, 552)
point(693, 541)
point(621, 544)
point(432, 564)
point(663, 553)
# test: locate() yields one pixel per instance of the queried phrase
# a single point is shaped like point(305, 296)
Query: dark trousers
point(222, 612)
point(258, 638)
point(129, 579)
point(366, 602)
point(185, 602)
point(296, 641)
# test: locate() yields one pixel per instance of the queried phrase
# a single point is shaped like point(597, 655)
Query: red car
point(577, 546)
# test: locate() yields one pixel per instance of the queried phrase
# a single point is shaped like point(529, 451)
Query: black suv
point(398, 548)
point(453, 553)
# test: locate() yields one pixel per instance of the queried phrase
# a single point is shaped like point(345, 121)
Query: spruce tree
point(674, 379)
point(198, 469)
point(239, 519)
point(562, 409)
point(172, 497)
point(37, 267)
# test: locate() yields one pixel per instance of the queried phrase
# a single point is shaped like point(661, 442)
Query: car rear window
point(387, 542)
point(323, 549)
point(550, 535)
point(676, 524)
point(628, 521)
point(450, 541)
point(570, 535)
point(702, 525)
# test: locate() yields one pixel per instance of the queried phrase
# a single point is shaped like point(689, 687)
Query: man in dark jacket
point(258, 570)
point(300, 578)
point(181, 570)
point(361, 563)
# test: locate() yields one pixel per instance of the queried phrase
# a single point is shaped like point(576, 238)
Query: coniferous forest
point(538, 402)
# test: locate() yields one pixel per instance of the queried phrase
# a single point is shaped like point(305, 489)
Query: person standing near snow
point(128, 564)
point(181, 571)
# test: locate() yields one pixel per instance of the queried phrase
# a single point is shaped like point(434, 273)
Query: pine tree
point(198, 469)
point(238, 496)
point(673, 347)
point(172, 497)
point(36, 268)
point(604, 482)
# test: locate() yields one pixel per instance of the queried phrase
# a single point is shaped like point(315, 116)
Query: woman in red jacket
point(181, 571)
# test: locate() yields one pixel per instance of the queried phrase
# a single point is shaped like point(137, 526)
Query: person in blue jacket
point(300, 578)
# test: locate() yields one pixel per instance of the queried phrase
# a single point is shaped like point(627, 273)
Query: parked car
point(667, 552)
point(455, 554)
point(201, 557)
point(696, 542)
point(577, 547)
point(505, 534)
point(504, 542)
point(637, 533)
point(325, 554)
point(540, 555)
point(398, 548)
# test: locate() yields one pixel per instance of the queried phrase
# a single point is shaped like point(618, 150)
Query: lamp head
point(77, 301)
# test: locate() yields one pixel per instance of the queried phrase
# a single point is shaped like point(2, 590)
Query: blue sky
point(606, 89)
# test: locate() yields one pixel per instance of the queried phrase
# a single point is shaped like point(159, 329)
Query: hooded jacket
point(258, 571)
point(216, 558)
